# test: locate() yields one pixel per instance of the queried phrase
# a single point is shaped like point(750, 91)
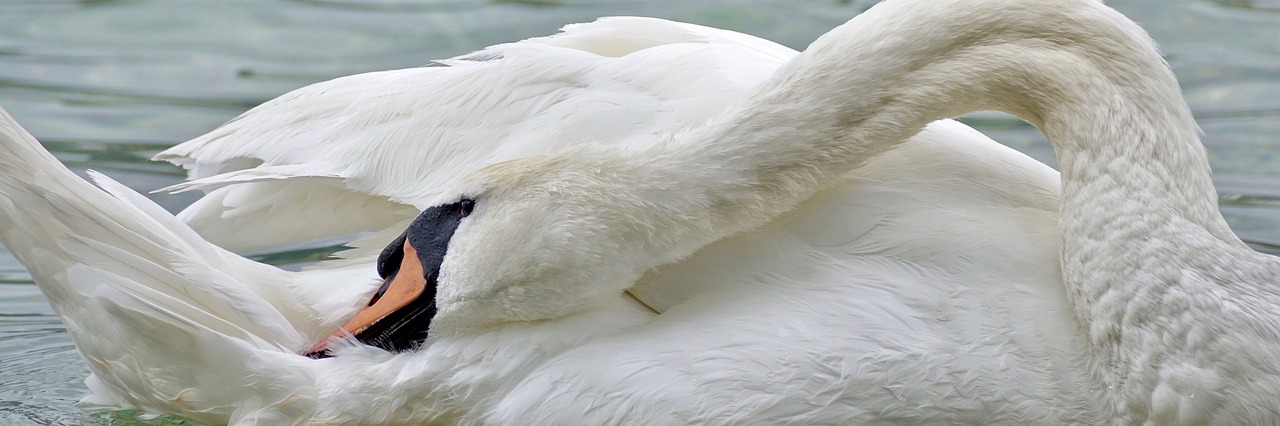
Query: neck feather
point(1084, 74)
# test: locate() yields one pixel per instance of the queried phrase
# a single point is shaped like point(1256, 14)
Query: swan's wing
point(366, 151)
point(622, 35)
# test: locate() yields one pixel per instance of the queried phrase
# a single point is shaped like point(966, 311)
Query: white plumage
point(348, 145)
point(797, 261)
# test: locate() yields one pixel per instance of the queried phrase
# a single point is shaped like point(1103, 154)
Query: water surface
point(106, 84)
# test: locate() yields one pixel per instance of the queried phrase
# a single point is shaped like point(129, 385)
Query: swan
point(222, 332)
point(1160, 314)
point(1178, 318)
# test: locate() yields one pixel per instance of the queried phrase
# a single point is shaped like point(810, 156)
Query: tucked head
point(526, 240)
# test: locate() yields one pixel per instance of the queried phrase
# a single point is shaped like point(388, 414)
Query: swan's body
point(925, 290)
point(648, 367)
point(1000, 203)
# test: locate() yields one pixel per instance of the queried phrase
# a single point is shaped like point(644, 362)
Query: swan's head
point(526, 240)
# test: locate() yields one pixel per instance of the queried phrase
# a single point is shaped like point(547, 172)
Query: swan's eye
point(466, 206)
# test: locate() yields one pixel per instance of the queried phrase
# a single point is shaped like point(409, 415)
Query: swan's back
point(924, 291)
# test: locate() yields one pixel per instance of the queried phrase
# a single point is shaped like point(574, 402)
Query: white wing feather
point(404, 135)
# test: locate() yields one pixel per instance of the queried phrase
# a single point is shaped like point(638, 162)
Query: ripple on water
point(1270, 6)
point(41, 373)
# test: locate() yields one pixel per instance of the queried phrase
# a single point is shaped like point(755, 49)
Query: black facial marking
point(429, 234)
point(391, 256)
point(388, 265)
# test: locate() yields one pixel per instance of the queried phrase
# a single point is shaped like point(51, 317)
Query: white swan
point(892, 329)
point(907, 257)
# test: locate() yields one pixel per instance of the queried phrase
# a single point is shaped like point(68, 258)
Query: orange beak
point(403, 287)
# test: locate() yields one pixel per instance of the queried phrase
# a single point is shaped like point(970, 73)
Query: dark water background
point(106, 84)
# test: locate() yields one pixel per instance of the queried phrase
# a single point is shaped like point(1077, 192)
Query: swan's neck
point(1136, 182)
point(1082, 73)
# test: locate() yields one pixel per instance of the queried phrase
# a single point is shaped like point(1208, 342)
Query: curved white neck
point(1133, 168)
point(1082, 73)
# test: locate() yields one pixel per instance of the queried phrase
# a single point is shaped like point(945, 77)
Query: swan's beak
point(391, 308)
point(399, 316)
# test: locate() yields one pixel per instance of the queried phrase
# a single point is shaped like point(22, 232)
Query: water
point(106, 84)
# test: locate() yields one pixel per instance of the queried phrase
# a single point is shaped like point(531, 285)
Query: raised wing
point(364, 152)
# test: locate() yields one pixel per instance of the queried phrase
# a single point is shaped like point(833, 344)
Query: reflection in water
point(106, 84)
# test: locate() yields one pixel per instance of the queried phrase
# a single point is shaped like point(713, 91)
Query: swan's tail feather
point(190, 295)
point(314, 299)
point(123, 274)
point(45, 205)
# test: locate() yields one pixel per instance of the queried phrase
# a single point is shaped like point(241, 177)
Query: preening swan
point(920, 298)
point(882, 228)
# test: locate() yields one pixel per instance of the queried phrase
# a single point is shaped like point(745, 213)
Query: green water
point(105, 84)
